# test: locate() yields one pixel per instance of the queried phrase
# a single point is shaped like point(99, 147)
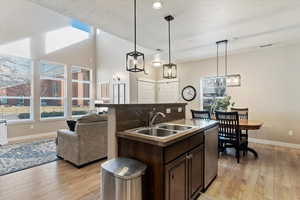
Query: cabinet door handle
point(189, 157)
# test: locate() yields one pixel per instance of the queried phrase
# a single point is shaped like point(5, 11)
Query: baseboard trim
point(30, 137)
point(275, 143)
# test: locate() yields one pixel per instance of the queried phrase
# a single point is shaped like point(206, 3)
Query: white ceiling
point(198, 23)
point(13, 29)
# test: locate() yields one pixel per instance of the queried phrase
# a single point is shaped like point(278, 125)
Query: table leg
point(252, 151)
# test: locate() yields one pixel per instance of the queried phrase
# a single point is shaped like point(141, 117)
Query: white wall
point(270, 88)
point(24, 20)
point(111, 60)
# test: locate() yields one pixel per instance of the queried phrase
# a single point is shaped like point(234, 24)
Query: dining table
point(246, 124)
point(250, 125)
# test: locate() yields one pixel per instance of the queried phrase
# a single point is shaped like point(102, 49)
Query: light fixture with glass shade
point(233, 80)
point(157, 62)
point(170, 69)
point(135, 61)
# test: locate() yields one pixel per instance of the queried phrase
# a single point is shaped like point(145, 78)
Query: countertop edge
point(160, 142)
point(129, 105)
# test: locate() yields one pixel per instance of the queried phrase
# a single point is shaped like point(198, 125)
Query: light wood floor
point(275, 175)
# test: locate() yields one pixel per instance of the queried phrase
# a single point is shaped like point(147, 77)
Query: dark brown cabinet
point(196, 163)
point(174, 172)
point(176, 180)
point(184, 176)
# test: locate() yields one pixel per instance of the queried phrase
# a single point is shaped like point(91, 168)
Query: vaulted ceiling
point(198, 24)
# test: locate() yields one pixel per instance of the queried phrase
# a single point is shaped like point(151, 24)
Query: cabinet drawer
point(175, 150)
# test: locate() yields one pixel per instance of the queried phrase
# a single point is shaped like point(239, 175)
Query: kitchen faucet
point(152, 117)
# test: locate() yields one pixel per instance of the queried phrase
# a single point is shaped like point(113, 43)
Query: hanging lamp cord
point(134, 25)
point(169, 27)
point(217, 59)
point(226, 54)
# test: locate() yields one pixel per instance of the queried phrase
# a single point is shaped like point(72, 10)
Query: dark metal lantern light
point(170, 69)
point(135, 61)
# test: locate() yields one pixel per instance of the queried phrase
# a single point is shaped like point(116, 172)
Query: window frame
point(64, 85)
point(90, 82)
point(30, 98)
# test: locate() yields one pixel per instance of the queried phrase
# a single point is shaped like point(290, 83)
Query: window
point(52, 90)
point(81, 90)
point(15, 88)
point(64, 37)
point(212, 88)
point(80, 25)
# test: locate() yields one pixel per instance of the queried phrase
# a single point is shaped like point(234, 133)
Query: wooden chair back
point(243, 112)
point(229, 127)
point(201, 114)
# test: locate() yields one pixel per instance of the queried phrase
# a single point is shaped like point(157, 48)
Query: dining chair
point(243, 112)
point(243, 115)
point(201, 114)
point(230, 133)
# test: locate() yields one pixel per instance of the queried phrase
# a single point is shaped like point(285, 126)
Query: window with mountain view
point(52, 90)
point(15, 88)
point(81, 87)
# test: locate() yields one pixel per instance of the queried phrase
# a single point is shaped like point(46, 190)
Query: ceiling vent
point(265, 45)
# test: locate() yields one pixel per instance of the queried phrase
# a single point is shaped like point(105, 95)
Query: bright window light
point(19, 48)
point(64, 37)
point(80, 25)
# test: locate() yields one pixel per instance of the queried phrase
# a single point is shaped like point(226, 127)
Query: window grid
point(16, 74)
point(52, 104)
point(78, 109)
point(22, 108)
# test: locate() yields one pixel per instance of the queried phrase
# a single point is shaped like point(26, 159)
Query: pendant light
point(226, 53)
point(221, 80)
point(233, 80)
point(157, 62)
point(170, 69)
point(135, 61)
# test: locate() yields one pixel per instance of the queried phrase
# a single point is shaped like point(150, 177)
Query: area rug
point(22, 156)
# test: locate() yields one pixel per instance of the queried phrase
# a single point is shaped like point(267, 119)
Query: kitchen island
point(128, 116)
point(173, 149)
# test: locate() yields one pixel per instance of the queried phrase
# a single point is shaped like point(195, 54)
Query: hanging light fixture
point(170, 69)
point(157, 62)
point(226, 52)
point(221, 80)
point(135, 61)
point(231, 80)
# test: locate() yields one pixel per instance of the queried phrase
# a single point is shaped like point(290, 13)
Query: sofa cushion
point(92, 118)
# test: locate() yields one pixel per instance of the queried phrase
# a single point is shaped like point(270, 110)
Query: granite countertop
point(133, 105)
point(198, 126)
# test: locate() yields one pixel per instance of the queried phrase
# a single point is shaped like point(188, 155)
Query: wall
point(24, 20)
point(111, 60)
point(134, 77)
point(270, 88)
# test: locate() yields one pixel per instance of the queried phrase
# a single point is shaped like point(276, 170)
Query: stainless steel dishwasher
point(211, 156)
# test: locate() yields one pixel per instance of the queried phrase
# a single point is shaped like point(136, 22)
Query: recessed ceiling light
point(157, 5)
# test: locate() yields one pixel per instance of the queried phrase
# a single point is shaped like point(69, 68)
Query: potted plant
point(221, 104)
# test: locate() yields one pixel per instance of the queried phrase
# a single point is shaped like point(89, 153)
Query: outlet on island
point(168, 110)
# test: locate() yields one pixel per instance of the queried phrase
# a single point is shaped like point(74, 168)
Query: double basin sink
point(163, 130)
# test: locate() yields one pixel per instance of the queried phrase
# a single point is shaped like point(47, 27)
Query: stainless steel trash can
point(122, 179)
